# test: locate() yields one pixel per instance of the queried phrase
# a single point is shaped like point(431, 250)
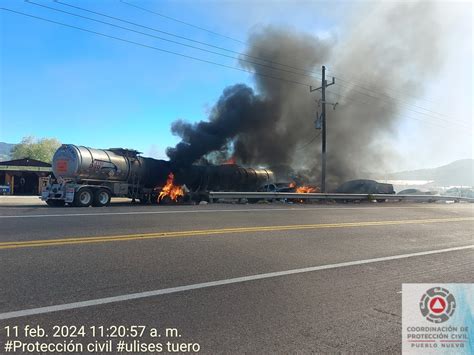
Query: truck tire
point(144, 199)
point(83, 197)
point(101, 198)
point(55, 203)
point(154, 199)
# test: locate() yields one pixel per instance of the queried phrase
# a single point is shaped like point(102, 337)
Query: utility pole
point(324, 85)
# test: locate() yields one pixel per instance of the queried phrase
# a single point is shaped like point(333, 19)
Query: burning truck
point(86, 176)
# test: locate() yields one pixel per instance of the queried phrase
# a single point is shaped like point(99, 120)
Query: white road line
point(211, 211)
point(165, 291)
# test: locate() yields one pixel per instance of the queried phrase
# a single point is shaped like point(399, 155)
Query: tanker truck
point(85, 176)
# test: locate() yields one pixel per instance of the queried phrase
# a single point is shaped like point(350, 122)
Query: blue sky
point(88, 90)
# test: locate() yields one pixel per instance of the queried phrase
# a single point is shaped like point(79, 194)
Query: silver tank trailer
point(83, 163)
point(229, 177)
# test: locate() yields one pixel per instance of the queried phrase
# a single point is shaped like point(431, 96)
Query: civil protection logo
point(437, 305)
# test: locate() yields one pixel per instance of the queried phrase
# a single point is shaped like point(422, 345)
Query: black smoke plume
point(273, 125)
point(237, 113)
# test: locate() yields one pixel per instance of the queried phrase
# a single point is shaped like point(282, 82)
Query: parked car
point(277, 187)
point(362, 186)
point(415, 192)
point(365, 187)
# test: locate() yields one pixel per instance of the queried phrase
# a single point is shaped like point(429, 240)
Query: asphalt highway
point(272, 278)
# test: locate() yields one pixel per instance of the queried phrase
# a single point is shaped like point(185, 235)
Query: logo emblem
point(437, 305)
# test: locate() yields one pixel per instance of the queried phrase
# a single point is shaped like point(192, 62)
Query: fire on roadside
point(306, 189)
point(303, 189)
point(171, 190)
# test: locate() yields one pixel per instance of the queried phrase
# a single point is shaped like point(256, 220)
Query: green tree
point(40, 149)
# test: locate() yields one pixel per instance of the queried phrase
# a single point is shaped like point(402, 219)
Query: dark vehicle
point(365, 187)
point(409, 192)
point(415, 192)
point(277, 187)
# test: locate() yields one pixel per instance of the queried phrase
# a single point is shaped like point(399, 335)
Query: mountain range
point(459, 172)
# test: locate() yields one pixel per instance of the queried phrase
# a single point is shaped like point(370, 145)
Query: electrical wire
point(166, 39)
point(378, 92)
point(187, 38)
point(368, 84)
point(224, 55)
point(183, 22)
point(311, 141)
point(435, 124)
point(186, 56)
point(460, 123)
point(156, 48)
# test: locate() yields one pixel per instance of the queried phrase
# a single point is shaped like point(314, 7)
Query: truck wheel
point(55, 203)
point(154, 199)
point(83, 198)
point(101, 198)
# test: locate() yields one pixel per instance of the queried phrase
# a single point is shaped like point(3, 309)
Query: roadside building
point(23, 176)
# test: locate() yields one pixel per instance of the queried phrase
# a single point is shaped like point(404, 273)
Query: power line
point(463, 124)
point(435, 124)
point(156, 48)
point(183, 22)
point(161, 38)
point(166, 39)
point(380, 92)
point(448, 119)
point(306, 71)
point(184, 55)
point(216, 53)
point(311, 141)
point(371, 83)
point(185, 38)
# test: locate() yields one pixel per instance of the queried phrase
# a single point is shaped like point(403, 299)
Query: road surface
point(231, 278)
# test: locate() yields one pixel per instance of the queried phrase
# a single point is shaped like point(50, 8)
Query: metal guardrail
point(333, 196)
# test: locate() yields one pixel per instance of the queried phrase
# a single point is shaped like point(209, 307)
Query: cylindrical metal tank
point(153, 172)
point(88, 164)
point(228, 177)
point(83, 163)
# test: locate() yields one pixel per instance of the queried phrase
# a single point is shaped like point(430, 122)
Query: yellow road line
point(205, 232)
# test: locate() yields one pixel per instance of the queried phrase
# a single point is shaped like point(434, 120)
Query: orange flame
point(306, 189)
point(171, 190)
point(230, 161)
